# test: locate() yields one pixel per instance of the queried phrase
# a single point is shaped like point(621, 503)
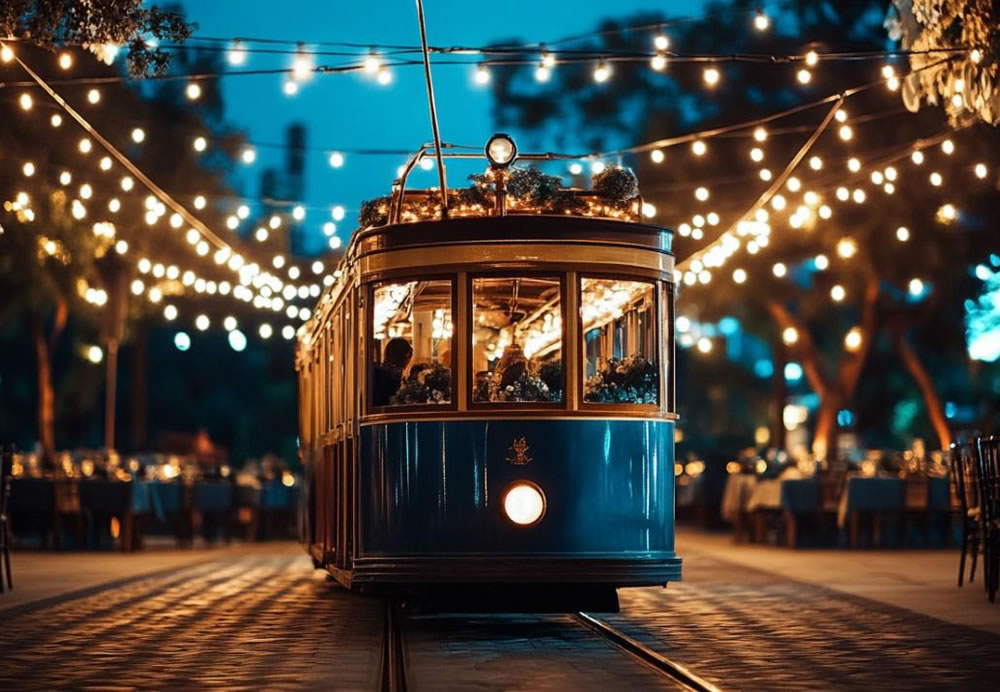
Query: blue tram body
point(487, 406)
point(429, 497)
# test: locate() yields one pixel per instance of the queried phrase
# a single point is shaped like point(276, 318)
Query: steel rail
point(658, 662)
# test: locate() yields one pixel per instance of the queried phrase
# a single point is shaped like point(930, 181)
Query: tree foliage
point(101, 26)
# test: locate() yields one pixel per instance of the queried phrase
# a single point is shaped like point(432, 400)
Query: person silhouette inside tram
point(388, 374)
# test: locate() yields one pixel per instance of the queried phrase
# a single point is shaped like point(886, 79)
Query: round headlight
point(501, 150)
point(524, 503)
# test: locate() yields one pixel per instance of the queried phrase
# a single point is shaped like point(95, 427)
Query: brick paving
point(267, 620)
point(747, 629)
point(506, 652)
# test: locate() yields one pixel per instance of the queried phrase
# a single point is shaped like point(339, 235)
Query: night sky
point(352, 111)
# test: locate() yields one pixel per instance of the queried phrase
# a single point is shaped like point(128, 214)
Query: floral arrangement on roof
point(616, 192)
point(425, 383)
point(630, 380)
point(963, 79)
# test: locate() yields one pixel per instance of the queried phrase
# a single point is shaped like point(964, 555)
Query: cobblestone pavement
point(503, 652)
point(270, 621)
point(746, 629)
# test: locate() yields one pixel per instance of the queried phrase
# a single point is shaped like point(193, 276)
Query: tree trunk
point(46, 394)
point(138, 409)
point(825, 437)
point(780, 394)
point(926, 384)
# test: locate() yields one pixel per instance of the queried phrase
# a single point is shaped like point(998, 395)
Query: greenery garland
point(527, 188)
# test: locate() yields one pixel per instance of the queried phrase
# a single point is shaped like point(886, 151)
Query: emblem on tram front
point(519, 447)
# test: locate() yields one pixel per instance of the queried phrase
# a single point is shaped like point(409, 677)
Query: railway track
point(393, 656)
point(658, 662)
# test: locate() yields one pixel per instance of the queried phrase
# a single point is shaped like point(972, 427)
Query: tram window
point(619, 342)
point(517, 340)
point(411, 353)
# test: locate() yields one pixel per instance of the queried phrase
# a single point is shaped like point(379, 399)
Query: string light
point(699, 147)
point(200, 143)
point(542, 73)
point(821, 262)
point(902, 234)
point(847, 248)
point(290, 88)
point(657, 156)
point(237, 54)
point(779, 269)
point(55, 120)
point(249, 155)
point(812, 58)
point(384, 76)
point(202, 322)
point(85, 146)
point(199, 202)
point(853, 339)
point(6, 54)
point(28, 169)
point(93, 96)
point(701, 194)
point(602, 72)
point(841, 115)
point(193, 91)
point(936, 179)
point(917, 157)
point(948, 147)
point(372, 63)
point(790, 335)
point(336, 159)
point(916, 287)
point(804, 76)
point(661, 42)
point(105, 164)
point(739, 276)
point(482, 75)
point(838, 293)
point(981, 170)
point(761, 21)
point(757, 154)
point(65, 178)
point(760, 134)
point(65, 61)
point(302, 66)
point(711, 75)
point(793, 184)
point(858, 196)
point(846, 133)
point(815, 163)
point(658, 62)
point(26, 102)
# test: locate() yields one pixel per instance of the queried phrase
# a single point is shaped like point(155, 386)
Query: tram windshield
point(619, 341)
point(517, 342)
point(412, 349)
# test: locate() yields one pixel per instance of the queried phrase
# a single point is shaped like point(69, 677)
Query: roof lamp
point(501, 150)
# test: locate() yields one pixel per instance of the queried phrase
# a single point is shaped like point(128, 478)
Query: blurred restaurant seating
point(98, 500)
point(975, 469)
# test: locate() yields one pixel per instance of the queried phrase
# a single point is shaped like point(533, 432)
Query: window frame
point(370, 340)
point(656, 313)
point(564, 404)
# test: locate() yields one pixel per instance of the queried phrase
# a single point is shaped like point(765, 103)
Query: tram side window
point(517, 339)
point(619, 342)
point(411, 354)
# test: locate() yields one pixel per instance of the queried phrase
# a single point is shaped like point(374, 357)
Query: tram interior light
point(524, 504)
point(501, 150)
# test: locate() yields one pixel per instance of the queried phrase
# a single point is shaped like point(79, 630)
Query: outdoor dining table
point(790, 496)
point(881, 496)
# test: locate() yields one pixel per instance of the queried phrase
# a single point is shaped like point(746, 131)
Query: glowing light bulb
point(336, 159)
point(804, 76)
point(55, 120)
point(846, 133)
point(237, 53)
point(699, 147)
point(199, 202)
point(739, 276)
point(815, 163)
point(657, 156)
point(193, 91)
point(793, 184)
point(853, 339)
point(847, 248)
point(65, 178)
point(916, 287)
point(757, 154)
point(65, 61)
point(372, 63)
point(602, 72)
point(200, 143)
point(779, 269)
point(853, 165)
point(93, 96)
point(543, 73)
point(85, 146)
point(202, 322)
point(790, 335)
point(821, 262)
point(481, 75)
point(658, 62)
point(384, 76)
point(661, 42)
point(902, 234)
point(936, 179)
point(298, 212)
point(249, 155)
point(711, 75)
point(701, 194)
point(812, 58)
point(105, 164)
point(838, 293)
point(917, 157)
point(337, 213)
point(761, 22)
point(760, 134)
point(948, 147)
point(981, 170)
point(6, 54)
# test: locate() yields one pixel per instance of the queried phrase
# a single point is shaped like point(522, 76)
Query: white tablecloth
point(766, 495)
point(739, 487)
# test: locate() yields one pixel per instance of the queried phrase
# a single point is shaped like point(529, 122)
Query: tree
point(101, 27)
point(640, 104)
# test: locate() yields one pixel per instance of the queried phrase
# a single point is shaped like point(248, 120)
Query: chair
point(6, 468)
point(988, 453)
point(963, 471)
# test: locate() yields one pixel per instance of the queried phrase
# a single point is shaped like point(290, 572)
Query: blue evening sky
point(351, 111)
